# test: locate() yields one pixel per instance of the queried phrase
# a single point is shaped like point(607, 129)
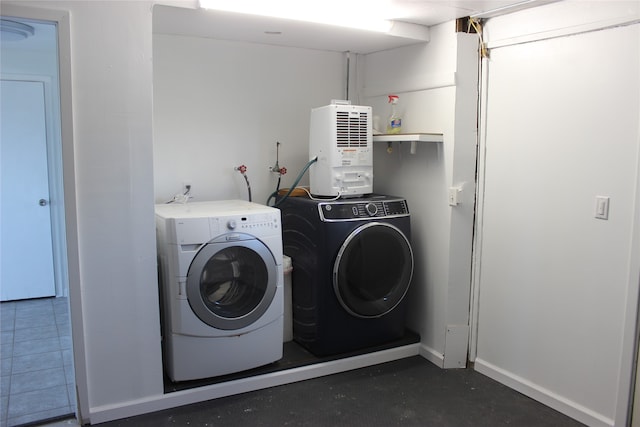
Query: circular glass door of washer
point(231, 285)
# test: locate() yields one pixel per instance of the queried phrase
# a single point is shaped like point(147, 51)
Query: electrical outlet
point(454, 195)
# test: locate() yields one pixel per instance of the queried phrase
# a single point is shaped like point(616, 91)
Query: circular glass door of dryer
point(373, 270)
point(231, 281)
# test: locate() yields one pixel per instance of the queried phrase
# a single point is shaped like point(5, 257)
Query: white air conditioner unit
point(341, 138)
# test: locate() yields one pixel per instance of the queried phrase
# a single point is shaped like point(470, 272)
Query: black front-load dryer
point(352, 267)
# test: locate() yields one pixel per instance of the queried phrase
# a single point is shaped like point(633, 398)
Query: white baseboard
point(432, 356)
point(106, 413)
point(544, 396)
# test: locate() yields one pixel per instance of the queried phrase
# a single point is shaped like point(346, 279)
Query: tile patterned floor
point(37, 371)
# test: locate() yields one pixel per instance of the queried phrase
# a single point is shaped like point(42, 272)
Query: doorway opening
point(37, 357)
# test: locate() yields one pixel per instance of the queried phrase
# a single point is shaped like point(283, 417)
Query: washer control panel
point(346, 210)
point(256, 222)
point(252, 223)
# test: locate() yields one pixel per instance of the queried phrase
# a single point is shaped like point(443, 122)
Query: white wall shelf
point(409, 137)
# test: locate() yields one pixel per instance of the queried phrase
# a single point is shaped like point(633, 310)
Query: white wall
point(112, 109)
point(117, 343)
point(219, 104)
point(558, 287)
point(112, 133)
point(437, 86)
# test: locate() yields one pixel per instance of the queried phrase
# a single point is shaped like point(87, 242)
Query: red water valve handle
point(283, 170)
point(242, 168)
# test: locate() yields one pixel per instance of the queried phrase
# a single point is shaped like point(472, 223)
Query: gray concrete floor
point(407, 392)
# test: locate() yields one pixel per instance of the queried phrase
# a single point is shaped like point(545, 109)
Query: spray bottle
point(394, 124)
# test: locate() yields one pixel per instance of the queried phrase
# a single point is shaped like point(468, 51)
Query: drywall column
point(112, 101)
point(463, 183)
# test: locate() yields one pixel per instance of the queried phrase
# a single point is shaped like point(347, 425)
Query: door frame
point(66, 172)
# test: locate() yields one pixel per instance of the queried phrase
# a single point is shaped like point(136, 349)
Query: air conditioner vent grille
point(351, 129)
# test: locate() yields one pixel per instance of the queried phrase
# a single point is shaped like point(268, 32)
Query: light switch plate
point(602, 207)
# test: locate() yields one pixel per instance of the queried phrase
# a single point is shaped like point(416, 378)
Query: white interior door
point(556, 276)
point(25, 222)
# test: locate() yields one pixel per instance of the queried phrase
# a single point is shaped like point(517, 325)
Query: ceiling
point(183, 17)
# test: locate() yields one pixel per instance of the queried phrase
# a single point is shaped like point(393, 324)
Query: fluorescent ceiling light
point(369, 15)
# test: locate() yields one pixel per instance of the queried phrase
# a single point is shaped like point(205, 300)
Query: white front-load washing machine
point(221, 284)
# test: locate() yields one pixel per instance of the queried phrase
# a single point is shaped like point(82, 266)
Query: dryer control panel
point(360, 209)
